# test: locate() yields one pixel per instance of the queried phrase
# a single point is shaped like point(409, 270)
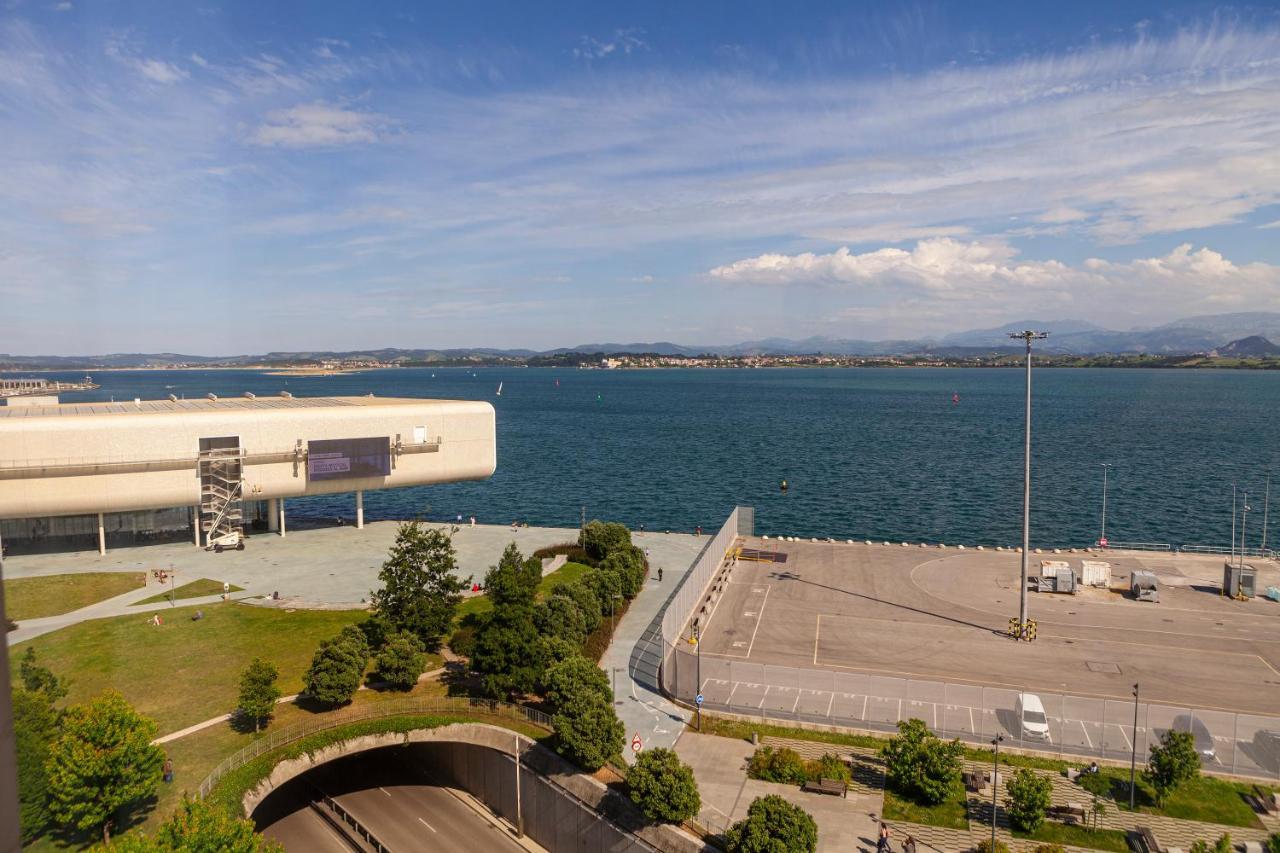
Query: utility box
point(1144, 586)
point(1096, 573)
point(1050, 568)
point(1239, 581)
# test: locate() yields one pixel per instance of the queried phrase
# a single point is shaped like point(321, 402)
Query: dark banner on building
point(348, 458)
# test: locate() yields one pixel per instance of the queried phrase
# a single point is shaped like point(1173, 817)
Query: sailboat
point(499, 389)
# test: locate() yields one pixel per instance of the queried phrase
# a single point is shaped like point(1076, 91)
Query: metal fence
point(276, 738)
point(692, 592)
point(1073, 726)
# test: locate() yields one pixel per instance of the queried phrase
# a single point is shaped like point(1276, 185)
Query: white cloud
point(64, 6)
point(623, 42)
point(318, 125)
point(949, 276)
point(199, 60)
point(155, 70)
point(103, 222)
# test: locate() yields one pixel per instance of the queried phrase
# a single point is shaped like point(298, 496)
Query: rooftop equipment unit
point(1144, 586)
point(1239, 581)
point(1096, 573)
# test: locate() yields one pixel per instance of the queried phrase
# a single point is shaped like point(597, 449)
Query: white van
point(1031, 717)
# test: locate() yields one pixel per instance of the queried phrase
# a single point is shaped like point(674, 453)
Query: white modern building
point(212, 463)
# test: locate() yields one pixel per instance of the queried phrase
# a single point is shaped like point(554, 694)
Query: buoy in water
point(783, 485)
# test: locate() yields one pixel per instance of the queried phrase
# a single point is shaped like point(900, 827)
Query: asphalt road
point(387, 799)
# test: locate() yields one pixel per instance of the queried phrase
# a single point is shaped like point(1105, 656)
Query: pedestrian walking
point(882, 843)
point(909, 845)
point(168, 770)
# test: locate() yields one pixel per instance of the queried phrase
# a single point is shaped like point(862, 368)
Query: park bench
point(1143, 840)
point(1262, 800)
point(1066, 814)
point(974, 780)
point(835, 787)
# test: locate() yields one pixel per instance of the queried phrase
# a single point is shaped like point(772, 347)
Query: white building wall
point(464, 430)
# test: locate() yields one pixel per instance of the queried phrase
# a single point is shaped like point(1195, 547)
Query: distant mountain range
point(1239, 334)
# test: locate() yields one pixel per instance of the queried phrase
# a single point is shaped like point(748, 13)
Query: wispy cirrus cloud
point(319, 125)
point(622, 42)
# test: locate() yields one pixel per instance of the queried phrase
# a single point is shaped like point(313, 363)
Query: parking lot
point(868, 635)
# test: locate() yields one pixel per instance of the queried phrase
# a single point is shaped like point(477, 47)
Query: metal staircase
point(221, 488)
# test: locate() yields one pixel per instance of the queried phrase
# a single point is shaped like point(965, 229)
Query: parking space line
point(1085, 729)
point(795, 704)
point(831, 702)
point(817, 629)
point(971, 728)
point(729, 701)
point(1128, 743)
point(865, 697)
point(759, 619)
point(765, 696)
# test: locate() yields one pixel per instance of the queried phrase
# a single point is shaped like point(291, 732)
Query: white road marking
point(817, 628)
point(830, 703)
point(383, 790)
point(427, 825)
point(764, 696)
point(763, 602)
point(1085, 729)
point(971, 726)
point(729, 701)
point(1128, 743)
point(864, 707)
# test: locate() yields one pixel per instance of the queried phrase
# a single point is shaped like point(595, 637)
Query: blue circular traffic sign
point(699, 699)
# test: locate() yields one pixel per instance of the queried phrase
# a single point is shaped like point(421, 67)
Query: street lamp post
point(1244, 517)
point(1133, 756)
point(698, 675)
point(1102, 540)
point(995, 775)
point(519, 811)
point(1028, 336)
point(1233, 522)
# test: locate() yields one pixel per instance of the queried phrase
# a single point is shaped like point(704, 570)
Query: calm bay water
point(878, 453)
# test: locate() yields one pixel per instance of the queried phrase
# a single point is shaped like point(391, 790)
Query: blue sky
point(216, 177)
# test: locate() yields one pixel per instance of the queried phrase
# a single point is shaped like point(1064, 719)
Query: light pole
point(1244, 517)
point(1133, 756)
point(1028, 336)
point(1266, 505)
point(519, 814)
point(698, 675)
point(995, 774)
point(1233, 521)
point(1102, 539)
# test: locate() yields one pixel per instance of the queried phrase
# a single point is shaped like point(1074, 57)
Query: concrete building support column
point(281, 502)
point(102, 537)
point(273, 515)
point(359, 509)
point(195, 525)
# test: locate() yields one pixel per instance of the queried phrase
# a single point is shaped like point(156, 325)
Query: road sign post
point(636, 743)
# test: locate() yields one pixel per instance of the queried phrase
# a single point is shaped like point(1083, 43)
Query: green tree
point(575, 680)
point(560, 617)
point(1173, 761)
point(35, 725)
point(420, 588)
point(258, 691)
point(555, 650)
point(196, 827)
point(586, 600)
point(514, 581)
point(1029, 797)
point(601, 538)
point(629, 567)
point(588, 733)
point(773, 825)
point(607, 587)
point(919, 765)
point(38, 679)
point(508, 652)
point(101, 763)
point(401, 661)
point(336, 670)
point(663, 786)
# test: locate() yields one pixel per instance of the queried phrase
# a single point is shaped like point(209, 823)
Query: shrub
point(587, 601)
point(1273, 843)
point(663, 786)
point(572, 550)
point(462, 642)
point(777, 765)
point(197, 826)
point(611, 586)
point(984, 846)
point(556, 649)
point(600, 538)
point(336, 670)
point(1029, 798)
point(1049, 848)
point(39, 679)
point(629, 567)
point(919, 765)
point(560, 617)
point(1222, 845)
point(1171, 763)
point(772, 824)
point(508, 652)
point(401, 661)
point(828, 767)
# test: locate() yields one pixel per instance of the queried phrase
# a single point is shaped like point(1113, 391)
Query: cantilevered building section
point(222, 462)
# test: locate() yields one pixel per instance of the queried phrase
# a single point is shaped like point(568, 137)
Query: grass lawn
point(950, 813)
point(195, 589)
point(52, 595)
point(1204, 798)
point(568, 573)
point(182, 672)
point(1053, 832)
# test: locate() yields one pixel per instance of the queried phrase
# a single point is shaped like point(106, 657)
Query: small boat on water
point(499, 389)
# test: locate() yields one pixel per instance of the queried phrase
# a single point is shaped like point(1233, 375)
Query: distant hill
point(1248, 333)
point(1254, 346)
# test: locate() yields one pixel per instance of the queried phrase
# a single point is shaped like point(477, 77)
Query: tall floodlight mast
point(1028, 336)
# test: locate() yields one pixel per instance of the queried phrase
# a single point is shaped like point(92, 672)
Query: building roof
point(222, 404)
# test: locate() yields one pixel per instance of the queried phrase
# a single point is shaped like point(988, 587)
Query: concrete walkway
point(632, 659)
